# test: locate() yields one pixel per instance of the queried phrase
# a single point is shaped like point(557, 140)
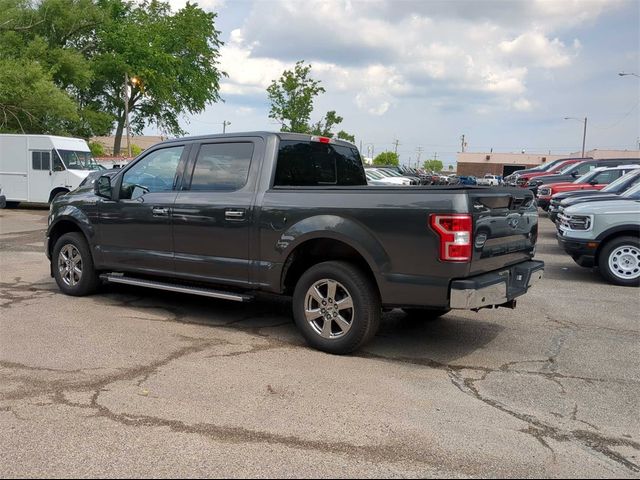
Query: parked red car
point(596, 179)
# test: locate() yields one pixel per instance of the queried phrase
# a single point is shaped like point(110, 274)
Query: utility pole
point(419, 151)
point(463, 144)
point(584, 135)
point(224, 126)
point(396, 142)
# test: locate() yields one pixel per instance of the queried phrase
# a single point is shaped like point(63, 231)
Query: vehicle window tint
point(153, 173)
point(46, 160)
point(40, 160)
point(584, 168)
point(313, 163)
point(607, 176)
point(222, 166)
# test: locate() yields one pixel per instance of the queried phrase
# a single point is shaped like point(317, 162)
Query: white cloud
point(535, 49)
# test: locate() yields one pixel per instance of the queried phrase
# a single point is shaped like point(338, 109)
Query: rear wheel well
point(620, 233)
point(62, 227)
point(56, 191)
point(316, 251)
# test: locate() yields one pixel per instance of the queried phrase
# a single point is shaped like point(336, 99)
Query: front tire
point(336, 307)
point(72, 265)
point(619, 261)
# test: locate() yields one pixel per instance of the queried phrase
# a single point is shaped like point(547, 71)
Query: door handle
point(160, 211)
point(234, 215)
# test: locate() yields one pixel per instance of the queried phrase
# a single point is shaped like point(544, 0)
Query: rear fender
point(337, 228)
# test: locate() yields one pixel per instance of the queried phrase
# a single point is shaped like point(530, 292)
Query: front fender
point(63, 215)
point(338, 228)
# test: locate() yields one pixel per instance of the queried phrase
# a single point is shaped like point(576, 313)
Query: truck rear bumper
point(495, 288)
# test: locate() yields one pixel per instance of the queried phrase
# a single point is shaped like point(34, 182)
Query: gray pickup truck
point(231, 216)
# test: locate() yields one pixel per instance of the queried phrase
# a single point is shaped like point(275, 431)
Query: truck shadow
point(441, 341)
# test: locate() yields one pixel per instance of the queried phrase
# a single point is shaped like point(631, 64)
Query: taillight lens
point(455, 233)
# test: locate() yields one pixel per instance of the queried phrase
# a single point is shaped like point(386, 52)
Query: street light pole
point(126, 112)
point(224, 126)
point(623, 74)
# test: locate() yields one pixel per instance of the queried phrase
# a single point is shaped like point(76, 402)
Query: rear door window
point(310, 164)
point(222, 166)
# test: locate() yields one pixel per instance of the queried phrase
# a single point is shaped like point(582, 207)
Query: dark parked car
point(229, 216)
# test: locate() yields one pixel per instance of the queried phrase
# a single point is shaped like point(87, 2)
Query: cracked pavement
point(140, 383)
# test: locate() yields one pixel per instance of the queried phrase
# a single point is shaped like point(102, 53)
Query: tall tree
point(172, 59)
point(387, 158)
point(433, 165)
point(291, 98)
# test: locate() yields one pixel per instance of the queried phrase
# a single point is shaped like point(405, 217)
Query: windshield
point(76, 160)
point(393, 173)
point(633, 193)
point(616, 186)
point(567, 168)
point(374, 174)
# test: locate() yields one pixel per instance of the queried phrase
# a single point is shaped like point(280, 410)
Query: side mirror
point(574, 174)
point(102, 187)
point(593, 182)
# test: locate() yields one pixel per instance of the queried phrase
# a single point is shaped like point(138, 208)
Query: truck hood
point(577, 193)
point(605, 197)
point(605, 207)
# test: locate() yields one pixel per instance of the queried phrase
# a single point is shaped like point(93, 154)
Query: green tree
point(450, 167)
point(346, 136)
point(387, 158)
point(324, 126)
point(97, 149)
point(29, 100)
point(291, 98)
point(433, 165)
point(173, 58)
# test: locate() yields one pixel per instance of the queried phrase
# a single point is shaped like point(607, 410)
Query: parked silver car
point(605, 234)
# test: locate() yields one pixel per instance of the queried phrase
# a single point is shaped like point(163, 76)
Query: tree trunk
point(118, 140)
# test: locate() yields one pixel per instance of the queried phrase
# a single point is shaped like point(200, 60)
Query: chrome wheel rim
point(328, 307)
point(70, 265)
point(624, 262)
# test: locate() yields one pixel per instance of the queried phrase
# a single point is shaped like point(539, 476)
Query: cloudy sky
point(503, 73)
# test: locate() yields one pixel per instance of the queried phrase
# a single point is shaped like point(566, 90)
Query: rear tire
point(426, 314)
point(337, 307)
point(619, 261)
point(72, 265)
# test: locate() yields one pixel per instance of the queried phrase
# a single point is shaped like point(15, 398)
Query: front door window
point(154, 173)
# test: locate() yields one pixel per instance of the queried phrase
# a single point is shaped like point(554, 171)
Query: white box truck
point(36, 168)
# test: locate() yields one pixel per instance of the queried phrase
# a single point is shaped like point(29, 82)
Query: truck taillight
point(454, 232)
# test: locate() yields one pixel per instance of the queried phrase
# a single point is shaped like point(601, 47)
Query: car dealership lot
point(146, 383)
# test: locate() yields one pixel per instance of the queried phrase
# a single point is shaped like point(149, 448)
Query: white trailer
point(36, 168)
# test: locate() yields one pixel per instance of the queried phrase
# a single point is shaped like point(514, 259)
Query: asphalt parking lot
point(134, 382)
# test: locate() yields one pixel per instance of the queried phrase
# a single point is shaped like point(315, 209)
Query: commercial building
point(479, 164)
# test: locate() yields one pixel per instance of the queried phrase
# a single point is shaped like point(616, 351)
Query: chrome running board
point(204, 292)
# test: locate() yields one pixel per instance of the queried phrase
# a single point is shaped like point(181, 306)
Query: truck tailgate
point(505, 227)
